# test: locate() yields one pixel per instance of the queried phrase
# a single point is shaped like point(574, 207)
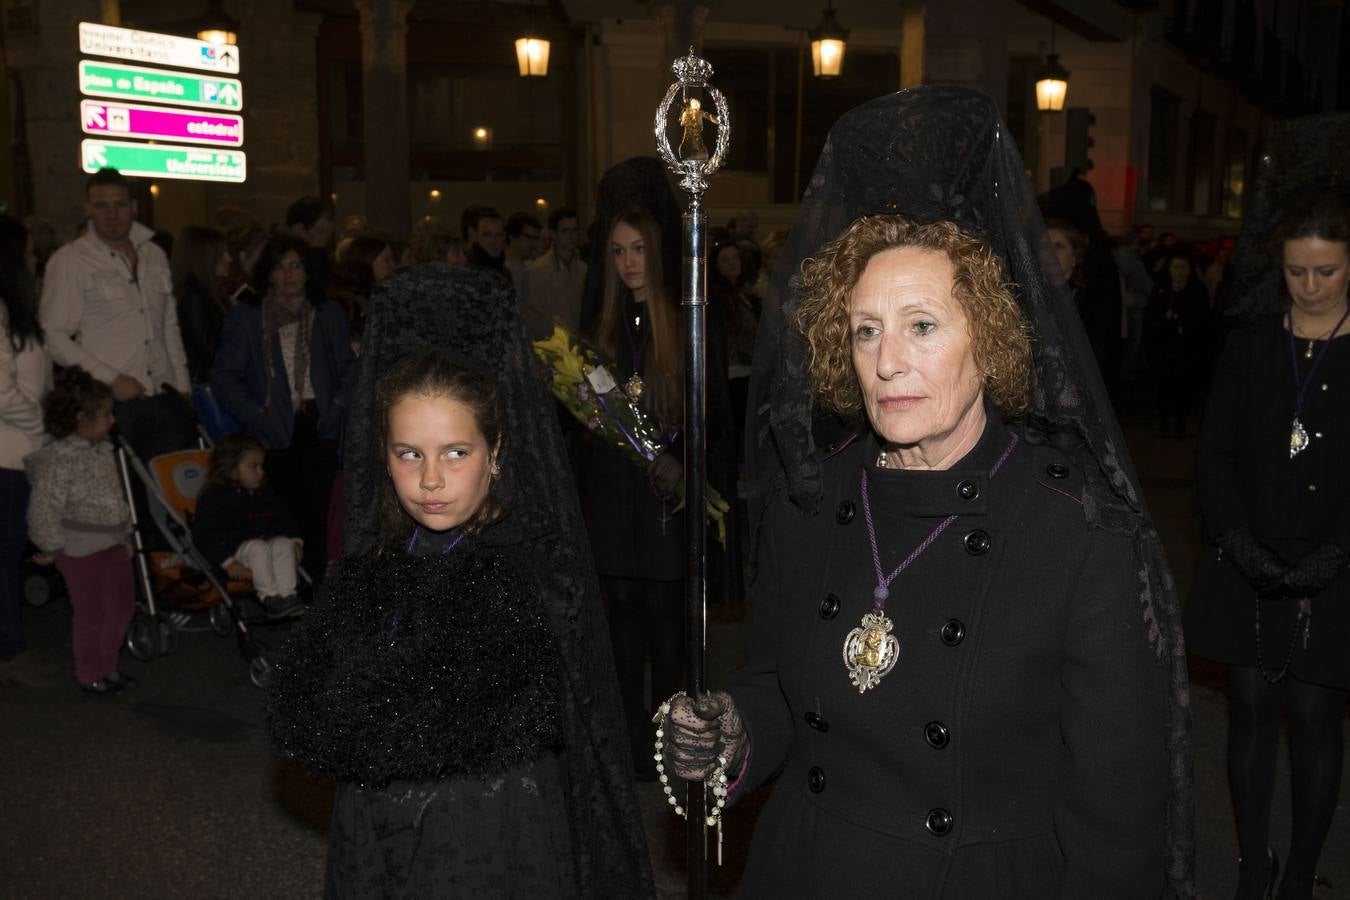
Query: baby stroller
point(178, 576)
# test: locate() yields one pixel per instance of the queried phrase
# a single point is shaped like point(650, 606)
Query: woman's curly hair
point(75, 395)
point(999, 334)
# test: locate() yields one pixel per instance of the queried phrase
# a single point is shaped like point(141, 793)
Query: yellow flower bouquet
point(611, 411)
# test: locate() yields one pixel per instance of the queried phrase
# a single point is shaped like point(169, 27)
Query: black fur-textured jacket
point(420, 668)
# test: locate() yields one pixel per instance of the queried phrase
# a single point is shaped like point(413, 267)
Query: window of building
point(1200, 181)
point(779, 129)
point(1164, 116)
point(1235, 173)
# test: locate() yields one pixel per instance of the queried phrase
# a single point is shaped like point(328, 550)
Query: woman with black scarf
point(285, 371)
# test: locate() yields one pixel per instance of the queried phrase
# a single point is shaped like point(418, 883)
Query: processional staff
point(694, 164)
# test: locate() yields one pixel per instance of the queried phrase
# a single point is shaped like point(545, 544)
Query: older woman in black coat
point(948, 673)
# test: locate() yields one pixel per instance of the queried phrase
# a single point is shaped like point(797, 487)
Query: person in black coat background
point(200, 266)
point(1094, 279)
point(1177, 337)
point(1272, 597)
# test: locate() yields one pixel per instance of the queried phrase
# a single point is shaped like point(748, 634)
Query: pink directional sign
point(160, 122)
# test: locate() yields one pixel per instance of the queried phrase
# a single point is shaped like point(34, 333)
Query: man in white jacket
point(108, 306)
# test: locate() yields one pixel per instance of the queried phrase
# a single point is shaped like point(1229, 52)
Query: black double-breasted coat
point(1017, 747)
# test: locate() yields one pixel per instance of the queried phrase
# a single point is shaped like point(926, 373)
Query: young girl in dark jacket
point(242, 524)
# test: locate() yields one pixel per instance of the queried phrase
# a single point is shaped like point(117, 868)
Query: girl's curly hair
point(75, 393)
point(999, 334)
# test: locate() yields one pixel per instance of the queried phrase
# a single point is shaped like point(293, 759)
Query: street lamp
point(828, 42)
point(1052, 81)
point(532, 56)
point(217, 25)
point(1052, 85)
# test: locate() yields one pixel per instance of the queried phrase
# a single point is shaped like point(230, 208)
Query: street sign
point(119, 82)
point(164, 161)
point(157, 49)
point(161, 123)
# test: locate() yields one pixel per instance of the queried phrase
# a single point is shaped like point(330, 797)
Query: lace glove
point(699, 731)
point(1256, 562)
point(1313, 572)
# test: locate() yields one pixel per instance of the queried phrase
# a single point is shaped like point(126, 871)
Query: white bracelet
point(719, 777)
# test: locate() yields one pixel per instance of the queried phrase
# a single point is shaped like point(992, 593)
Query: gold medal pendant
point(1298, 438)
point(871, 651)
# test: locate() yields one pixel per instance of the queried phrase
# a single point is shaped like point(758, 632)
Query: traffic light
point(1078, 139)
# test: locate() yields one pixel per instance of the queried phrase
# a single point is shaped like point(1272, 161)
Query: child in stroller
point(242, 524)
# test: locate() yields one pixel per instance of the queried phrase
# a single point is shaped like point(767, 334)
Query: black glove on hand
point(1313, 572)
point(1257, 563)
point(699, 731)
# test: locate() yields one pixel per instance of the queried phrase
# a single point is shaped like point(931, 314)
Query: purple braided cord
point(884, 581)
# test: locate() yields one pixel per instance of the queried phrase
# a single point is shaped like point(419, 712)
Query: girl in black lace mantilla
point(428, 680)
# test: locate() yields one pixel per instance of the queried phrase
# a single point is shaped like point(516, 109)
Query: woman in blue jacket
point(284, 370)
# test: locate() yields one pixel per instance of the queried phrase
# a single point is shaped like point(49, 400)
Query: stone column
point(956, 42)
point(281, 124)
point(384, 64)
point(683, 22)
point(42, 66)
point(634, 74)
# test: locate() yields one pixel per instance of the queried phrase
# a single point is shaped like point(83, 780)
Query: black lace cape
point(472, 312)
point(421, 668)
point(1307, 152)
point(941, 152)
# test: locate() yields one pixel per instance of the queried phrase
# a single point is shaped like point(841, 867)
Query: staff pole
point(694, 164)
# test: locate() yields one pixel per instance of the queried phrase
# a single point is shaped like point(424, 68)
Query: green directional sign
point(164, 161)
point(100, 79)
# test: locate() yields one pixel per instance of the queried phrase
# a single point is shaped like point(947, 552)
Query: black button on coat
point(1028, 664)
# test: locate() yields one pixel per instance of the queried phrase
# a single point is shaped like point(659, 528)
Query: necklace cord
point(1301, 385)
point(884, 581)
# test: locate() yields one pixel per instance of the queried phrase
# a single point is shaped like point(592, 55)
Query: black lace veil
point(1304, 153)
point(941, 152)
point(472, 313)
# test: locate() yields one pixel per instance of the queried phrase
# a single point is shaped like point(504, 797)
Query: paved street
point(172, 792)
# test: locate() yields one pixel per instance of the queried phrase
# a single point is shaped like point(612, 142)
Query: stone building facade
point(1180, 102)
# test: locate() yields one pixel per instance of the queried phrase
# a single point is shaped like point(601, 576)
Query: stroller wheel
point(168, 637)
point(37, 590)
point(260, 671)
point(221, 623)
point(143, 636)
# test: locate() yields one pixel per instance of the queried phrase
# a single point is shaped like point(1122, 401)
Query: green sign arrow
point(99, 79)
point(164, 161)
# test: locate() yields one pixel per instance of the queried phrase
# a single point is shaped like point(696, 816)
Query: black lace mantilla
point(420, 668)
point(472, 312)
point(941, 153)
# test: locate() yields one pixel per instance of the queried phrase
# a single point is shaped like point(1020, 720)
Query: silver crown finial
point(692, 69)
